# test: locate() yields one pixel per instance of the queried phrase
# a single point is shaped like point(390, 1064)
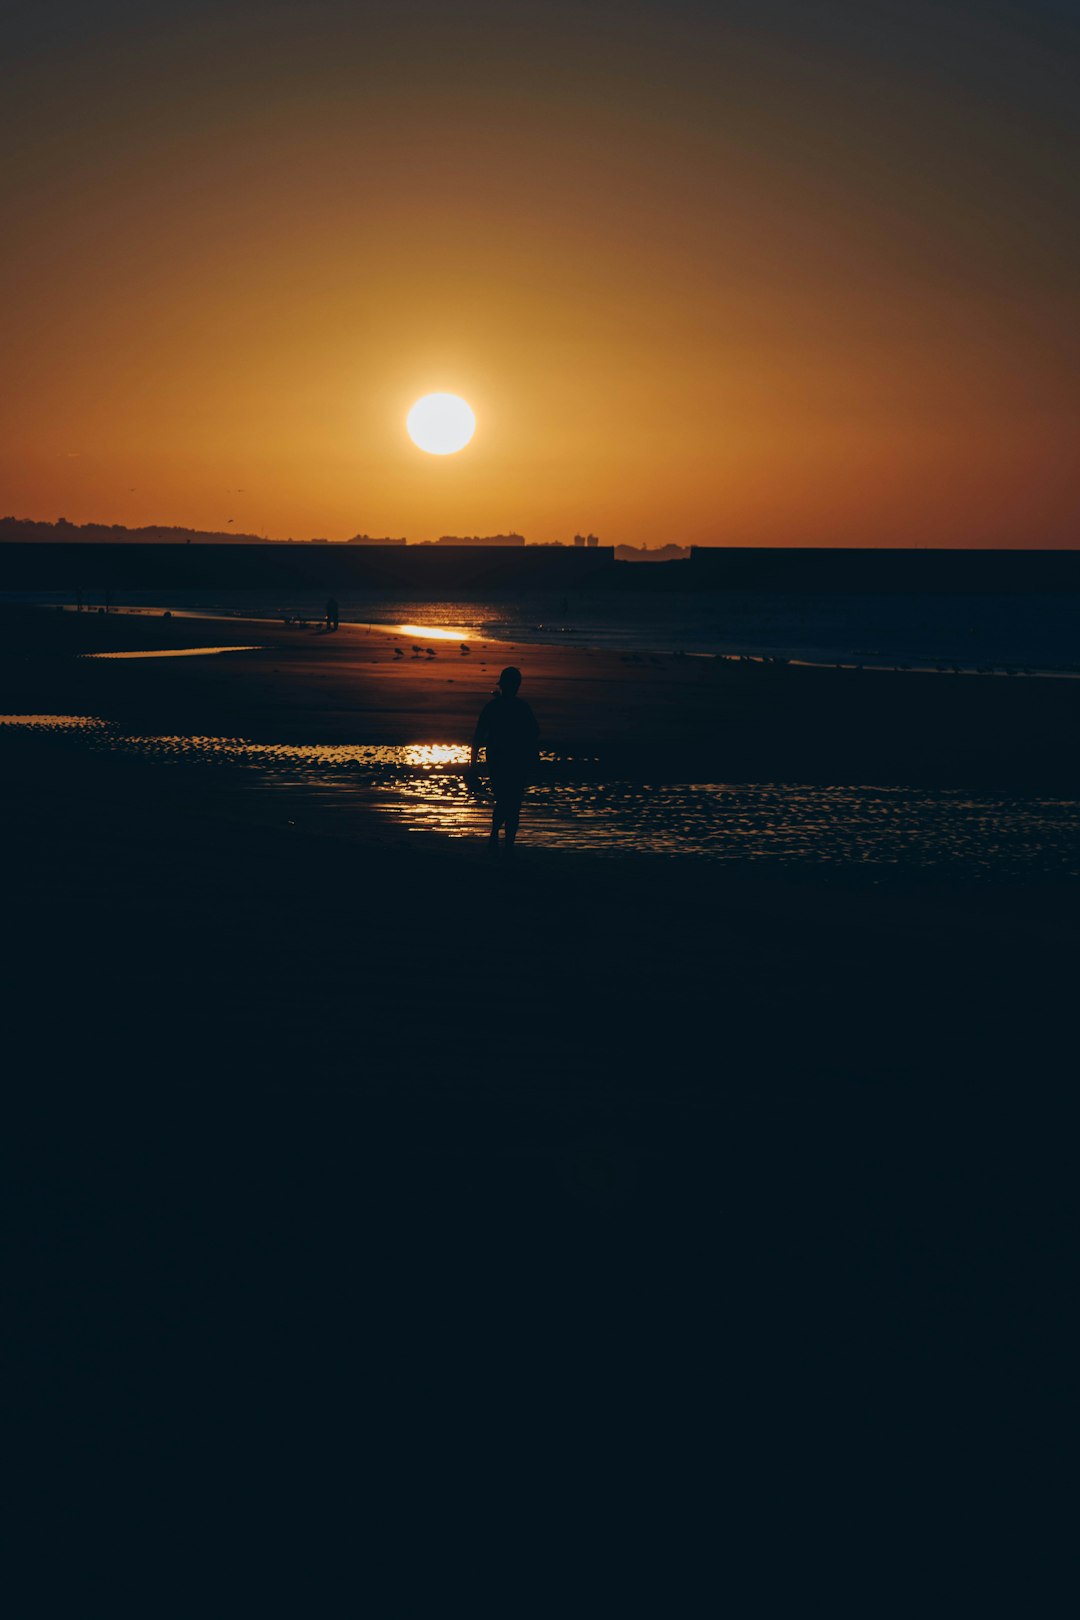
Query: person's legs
point(513, 812)
point(498, 815)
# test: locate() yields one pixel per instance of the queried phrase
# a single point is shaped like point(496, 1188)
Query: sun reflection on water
point(434, 632)
point(427, 754)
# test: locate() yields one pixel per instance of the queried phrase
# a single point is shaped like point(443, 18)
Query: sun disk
point(441, 424)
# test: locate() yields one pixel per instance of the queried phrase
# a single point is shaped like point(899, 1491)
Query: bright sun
point(441, 424)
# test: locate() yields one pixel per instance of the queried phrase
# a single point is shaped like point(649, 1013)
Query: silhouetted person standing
point(508, 733)
point(332, 614)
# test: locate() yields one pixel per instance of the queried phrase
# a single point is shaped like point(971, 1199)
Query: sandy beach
point(737, 720)
point(247, 1029)
point(331, 1089)
point(423, 927)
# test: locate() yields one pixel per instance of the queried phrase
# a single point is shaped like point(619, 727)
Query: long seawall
point(65, 565)
point(74, 565)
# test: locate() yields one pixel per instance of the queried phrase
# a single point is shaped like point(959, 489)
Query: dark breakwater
point(65, 565)
point(124, 565)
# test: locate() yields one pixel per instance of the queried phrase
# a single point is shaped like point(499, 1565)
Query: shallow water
point(575, 805)
point(171, 652)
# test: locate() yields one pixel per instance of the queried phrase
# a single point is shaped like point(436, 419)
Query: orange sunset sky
point(772, 274)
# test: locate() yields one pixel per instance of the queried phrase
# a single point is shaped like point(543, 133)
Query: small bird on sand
point(464, 647)
point(398, 653)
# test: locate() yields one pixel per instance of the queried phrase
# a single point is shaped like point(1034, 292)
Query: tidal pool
point(171, 652)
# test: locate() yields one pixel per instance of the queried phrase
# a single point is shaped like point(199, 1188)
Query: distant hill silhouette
point(13, 528)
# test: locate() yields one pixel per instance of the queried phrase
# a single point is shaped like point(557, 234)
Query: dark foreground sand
point(378, 1097)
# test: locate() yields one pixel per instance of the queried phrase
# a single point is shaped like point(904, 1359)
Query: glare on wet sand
point(433, 633)
point(171, 652)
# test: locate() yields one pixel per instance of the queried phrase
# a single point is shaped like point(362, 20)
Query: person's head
point(509, 681)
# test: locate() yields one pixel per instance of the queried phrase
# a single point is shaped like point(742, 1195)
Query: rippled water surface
point(575, 805)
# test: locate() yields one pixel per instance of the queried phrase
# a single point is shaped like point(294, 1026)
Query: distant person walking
point(332, 614)
point(508, 734)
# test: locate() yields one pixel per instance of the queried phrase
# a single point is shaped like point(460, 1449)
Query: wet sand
point(685, 717)
point(258, 1062)
point(432, 917)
